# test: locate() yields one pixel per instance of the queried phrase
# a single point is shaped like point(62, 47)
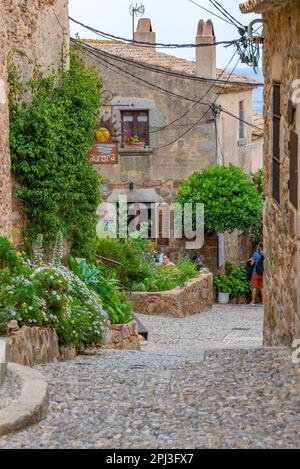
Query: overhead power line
point(157, 44)
point(227, 15)
point(210, 12)
point(211, 108)
point(97, 53)
point(146, 83)
point(166, 72)
point(195, 104)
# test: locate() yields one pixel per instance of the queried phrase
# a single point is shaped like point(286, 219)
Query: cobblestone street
point(178, 392)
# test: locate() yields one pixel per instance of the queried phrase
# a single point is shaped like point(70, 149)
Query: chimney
point(206, 56)
point(144, 32)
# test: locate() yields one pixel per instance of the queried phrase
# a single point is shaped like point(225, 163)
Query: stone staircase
point(3, 360)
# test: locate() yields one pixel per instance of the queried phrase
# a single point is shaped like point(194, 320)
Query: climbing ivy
point(52, 122)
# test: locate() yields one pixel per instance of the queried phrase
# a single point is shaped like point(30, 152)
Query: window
point(242, 128)
point(276, 142)
point(136, 123)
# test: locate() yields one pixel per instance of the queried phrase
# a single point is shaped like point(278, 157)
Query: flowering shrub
point(51, 296)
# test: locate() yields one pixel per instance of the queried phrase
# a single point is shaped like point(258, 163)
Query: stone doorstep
point(32, 405)
point(3, 359)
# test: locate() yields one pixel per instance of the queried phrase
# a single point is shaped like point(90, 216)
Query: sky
point(174, 21)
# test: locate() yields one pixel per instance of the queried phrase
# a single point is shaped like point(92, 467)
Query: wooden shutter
point(276, 142)
point(293, 183)
point(142, 118)
point(127, 124)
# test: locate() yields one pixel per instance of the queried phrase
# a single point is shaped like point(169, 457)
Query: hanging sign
point(104, 153)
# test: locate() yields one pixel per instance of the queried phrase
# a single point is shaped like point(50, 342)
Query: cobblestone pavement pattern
point(173, 394)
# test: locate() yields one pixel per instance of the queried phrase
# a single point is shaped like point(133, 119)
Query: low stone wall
point(123, 337)
point(195, 297)
point(31, 346)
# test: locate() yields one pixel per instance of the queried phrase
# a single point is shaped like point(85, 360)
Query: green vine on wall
point(50, 135)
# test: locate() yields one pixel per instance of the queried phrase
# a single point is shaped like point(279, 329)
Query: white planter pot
point(223, 298)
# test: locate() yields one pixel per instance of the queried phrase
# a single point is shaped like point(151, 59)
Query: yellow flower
point(24, 305)
point(23, 253)
point(19, 254)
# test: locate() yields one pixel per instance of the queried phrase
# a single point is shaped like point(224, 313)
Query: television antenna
point(136, 10)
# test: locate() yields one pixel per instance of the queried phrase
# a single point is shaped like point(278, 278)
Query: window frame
point(144, 132)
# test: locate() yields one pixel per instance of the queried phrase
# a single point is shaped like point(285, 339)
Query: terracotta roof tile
point(151, 56)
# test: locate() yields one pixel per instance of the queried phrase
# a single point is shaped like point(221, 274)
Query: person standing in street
point(257, 278)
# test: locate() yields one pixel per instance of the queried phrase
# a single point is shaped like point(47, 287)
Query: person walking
point(257, 278)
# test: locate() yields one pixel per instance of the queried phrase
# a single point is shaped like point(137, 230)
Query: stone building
point(180, 136)
point(25, 28)
point(281, 163)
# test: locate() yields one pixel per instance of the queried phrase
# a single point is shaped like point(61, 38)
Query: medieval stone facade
point(184, 137)
point(282, 129)
point(25, 29)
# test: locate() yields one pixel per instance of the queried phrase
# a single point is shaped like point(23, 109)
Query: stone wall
point(5, 177)
point(281, 64)
point(34, 33)
point(31, 346)
point(195, 297)
point(123, 337)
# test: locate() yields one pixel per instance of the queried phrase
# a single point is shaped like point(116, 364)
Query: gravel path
point(225, 326)
point(181, 398)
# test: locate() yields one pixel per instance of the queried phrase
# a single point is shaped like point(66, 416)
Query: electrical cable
point(210, 12)
point(195, 104)
point(161, 71)
point(227, 15)
point(142, 80)
point(211, 107)
point(157, 44)
point(152, 85)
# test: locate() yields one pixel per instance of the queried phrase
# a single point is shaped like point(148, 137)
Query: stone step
point(3, 359)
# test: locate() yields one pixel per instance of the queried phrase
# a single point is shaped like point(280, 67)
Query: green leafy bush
point(8, 256)
point(50, 136)
point(141, 272)
point(223, 284)
point(258, 180)
point(167, 278)
point(133, 253)
point(230, 200)
point(234, 281)
point(114, 300)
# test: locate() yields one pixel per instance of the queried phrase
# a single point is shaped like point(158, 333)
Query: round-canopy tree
point(230, 200)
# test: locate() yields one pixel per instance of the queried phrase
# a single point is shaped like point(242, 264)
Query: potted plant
point(223, 286)
point(133, 142)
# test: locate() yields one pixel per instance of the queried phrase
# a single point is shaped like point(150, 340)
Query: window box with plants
point(133, 143)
